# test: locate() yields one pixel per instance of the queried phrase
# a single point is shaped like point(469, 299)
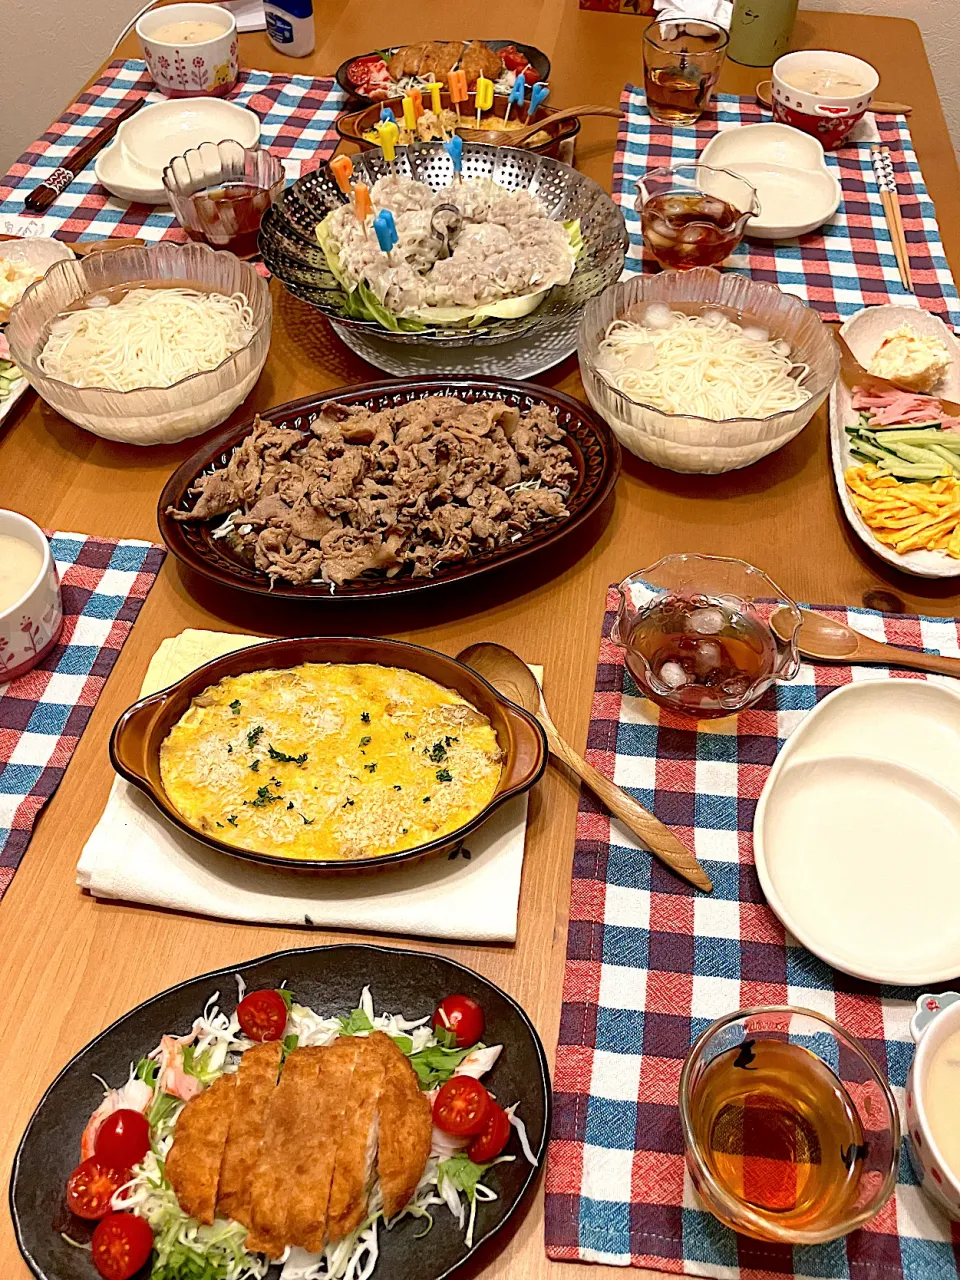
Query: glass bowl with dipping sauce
point(697, 635)
point(31, 613)
point(191, 50)
point(693, 215)
point(790, 1131)
point(933, 1099)
point(220, 191)
point(823, 93)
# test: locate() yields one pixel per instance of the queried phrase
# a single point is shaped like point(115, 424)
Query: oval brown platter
point(138, 734)
point(596, 455)
point(536, 57)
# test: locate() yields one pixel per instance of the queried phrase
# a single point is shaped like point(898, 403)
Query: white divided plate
point(857, 833)
point(523, 358)
point(40, 252)
point(864, 332)
point(789, 172)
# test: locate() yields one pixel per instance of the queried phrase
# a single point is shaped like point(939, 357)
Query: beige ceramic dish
point(140, 731)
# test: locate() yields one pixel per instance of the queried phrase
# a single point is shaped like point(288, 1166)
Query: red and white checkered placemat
point(44, 713)
point(848, 263)
point(297, 115)
point(651, 963)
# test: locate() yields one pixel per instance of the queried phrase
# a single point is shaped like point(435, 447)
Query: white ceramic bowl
point(787, 169)
point(184, 70)
point(829, 117)
point(682, 442)
point(30, 626)
point(937, 1017)
point(132, 166)
point(153, 415)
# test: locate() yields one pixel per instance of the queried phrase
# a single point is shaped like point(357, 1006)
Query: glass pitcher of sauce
point(693, 215)
point(697, 634)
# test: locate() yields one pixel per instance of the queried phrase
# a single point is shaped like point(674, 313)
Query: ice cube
point(735, 686)
point(658, 316)
point(672, 675)
point(674, 206)
point(709, 658)
point(714, 210)
point(642, 358)
point(705, 622)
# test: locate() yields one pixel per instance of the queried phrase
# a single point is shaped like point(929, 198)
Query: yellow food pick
point(433, 88)
point(387, 134)
point(483, 96)
point(409, 115)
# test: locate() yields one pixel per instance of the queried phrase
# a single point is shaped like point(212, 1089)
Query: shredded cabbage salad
point(186, 1250)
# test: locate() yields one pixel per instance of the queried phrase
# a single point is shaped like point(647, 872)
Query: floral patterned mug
point(936, 1018)
point(207, 68)
point(29, 628)
point(830, 117)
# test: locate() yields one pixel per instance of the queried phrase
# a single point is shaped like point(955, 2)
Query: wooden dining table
point(69, 964)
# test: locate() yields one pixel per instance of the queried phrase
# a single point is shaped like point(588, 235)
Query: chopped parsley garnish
point(219, 824)
point(365, 717)
point(264, 797)
point(290, 805)
point(346, 802)
point(253, 737)
point(255, 766)
point(283, 758)
point(308, 822)
point(229, 749)
point(436, 753)
point(371, 768)
point(397, 787)
point(426, 799)
point(232, 819)
point(235, 706)
point(444, 775)
point(408, 735)
point(447, 740)
point(365, 740)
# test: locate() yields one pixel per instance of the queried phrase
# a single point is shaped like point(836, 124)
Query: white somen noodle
point(706, 366)
point(150, 338)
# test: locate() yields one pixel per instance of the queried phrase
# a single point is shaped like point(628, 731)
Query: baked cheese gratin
point(330, 761)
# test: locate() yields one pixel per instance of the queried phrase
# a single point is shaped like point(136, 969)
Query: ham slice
point(901, 408)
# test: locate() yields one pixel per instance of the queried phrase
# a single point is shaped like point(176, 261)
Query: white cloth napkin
point(718, 11)
point(136, 855)
point(248, 13)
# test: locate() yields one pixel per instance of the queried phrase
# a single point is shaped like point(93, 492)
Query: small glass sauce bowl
point(693, 215)
point(220, 192)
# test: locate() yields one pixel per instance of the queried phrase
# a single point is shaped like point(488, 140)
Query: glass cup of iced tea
point(790, 1130)
point(682, 58)
point(220, 192)
point(697, 634)
point(693, 215)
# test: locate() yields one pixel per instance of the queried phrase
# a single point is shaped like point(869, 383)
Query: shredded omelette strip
point(908, 516)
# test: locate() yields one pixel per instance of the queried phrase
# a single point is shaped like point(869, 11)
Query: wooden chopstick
point(887, 185)
point(43, 196)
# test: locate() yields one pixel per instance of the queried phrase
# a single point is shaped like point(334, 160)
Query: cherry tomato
point(121, 1245)
point(263, 1015)
point(363, 69)
point(461, 1015)
point(492, 1138)
point(531, 74)
point(513, 59)
point(91, 1186)
point(123, 1139)
point(461, 1106)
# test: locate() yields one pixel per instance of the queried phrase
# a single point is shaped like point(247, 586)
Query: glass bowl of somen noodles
point(144, 345)
point(703, 371)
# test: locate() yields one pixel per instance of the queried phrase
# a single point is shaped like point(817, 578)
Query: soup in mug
point(941, 1100)
point(20, 565)
point(191, 31)
point(824, 80)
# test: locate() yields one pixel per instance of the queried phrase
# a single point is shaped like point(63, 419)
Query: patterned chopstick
point(887, 185)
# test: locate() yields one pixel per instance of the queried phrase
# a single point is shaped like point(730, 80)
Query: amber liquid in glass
point(231, 216)
point(678, 94)
point(703, 650)
point(685, 231)
point(780, 1133)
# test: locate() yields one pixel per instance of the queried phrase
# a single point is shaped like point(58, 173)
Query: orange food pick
point(457, 84)
point(416, 97)
point(342, 167)
point(364, 206)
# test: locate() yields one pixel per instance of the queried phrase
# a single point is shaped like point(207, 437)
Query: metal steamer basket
point(290, 250)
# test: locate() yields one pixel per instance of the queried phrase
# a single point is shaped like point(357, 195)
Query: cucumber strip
point(911, 471)
point(946, 456)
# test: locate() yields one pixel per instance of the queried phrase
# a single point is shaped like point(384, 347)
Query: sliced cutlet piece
point(193, 1162)
point(256, 1082)
point(288, 1110)
point(311, 1175)
point(406, 1128)
point(357, 1153)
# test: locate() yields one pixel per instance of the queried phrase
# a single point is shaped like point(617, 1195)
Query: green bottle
point(760, 31)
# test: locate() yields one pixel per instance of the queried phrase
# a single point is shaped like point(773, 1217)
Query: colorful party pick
point(454, 149)
point(409, 118)
point(386, 230)
point(387, 135)
point(538, 96)
point(516, 95)
point(433, 88)
point(457, 85)
point(342, 167)
point(363, 207)
point(483, 96)
point(386, 113)
point(416, 97)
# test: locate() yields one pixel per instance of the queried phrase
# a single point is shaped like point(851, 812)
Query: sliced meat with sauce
point(357, 1153)
point(311, 1175)
point(193, 1162)
point(406, 1127)
point(256, 1081)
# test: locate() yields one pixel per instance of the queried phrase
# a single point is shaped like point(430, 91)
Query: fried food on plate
point(480, 60)
point(357, 1152)
point(256, 1081)
point(406, 1127)
point(406, 60)
point(193, 1162)
point(439, 58)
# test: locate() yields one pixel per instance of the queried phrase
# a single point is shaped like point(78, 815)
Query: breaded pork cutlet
point(480, 60)
point(311, 1177)
point(406, 61)
point(406, 1127)
point(193, 1162)
point(256, 1081)
point(283, 1133)
point(439, 58)
point(357, 1153)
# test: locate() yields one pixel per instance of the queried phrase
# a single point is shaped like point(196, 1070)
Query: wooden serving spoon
point(854, 375)
point(825, 640)
point(511, 676)
point(516, 137)
point(765, 95)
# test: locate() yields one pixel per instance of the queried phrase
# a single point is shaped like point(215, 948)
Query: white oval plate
point(781, 164)
point(858, 852)
point(864, 332)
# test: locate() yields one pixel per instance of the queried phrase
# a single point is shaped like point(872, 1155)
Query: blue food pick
point(386, 113)
point(517, 92)
point(454, 149)
point(386, 230)
point(538, 96)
